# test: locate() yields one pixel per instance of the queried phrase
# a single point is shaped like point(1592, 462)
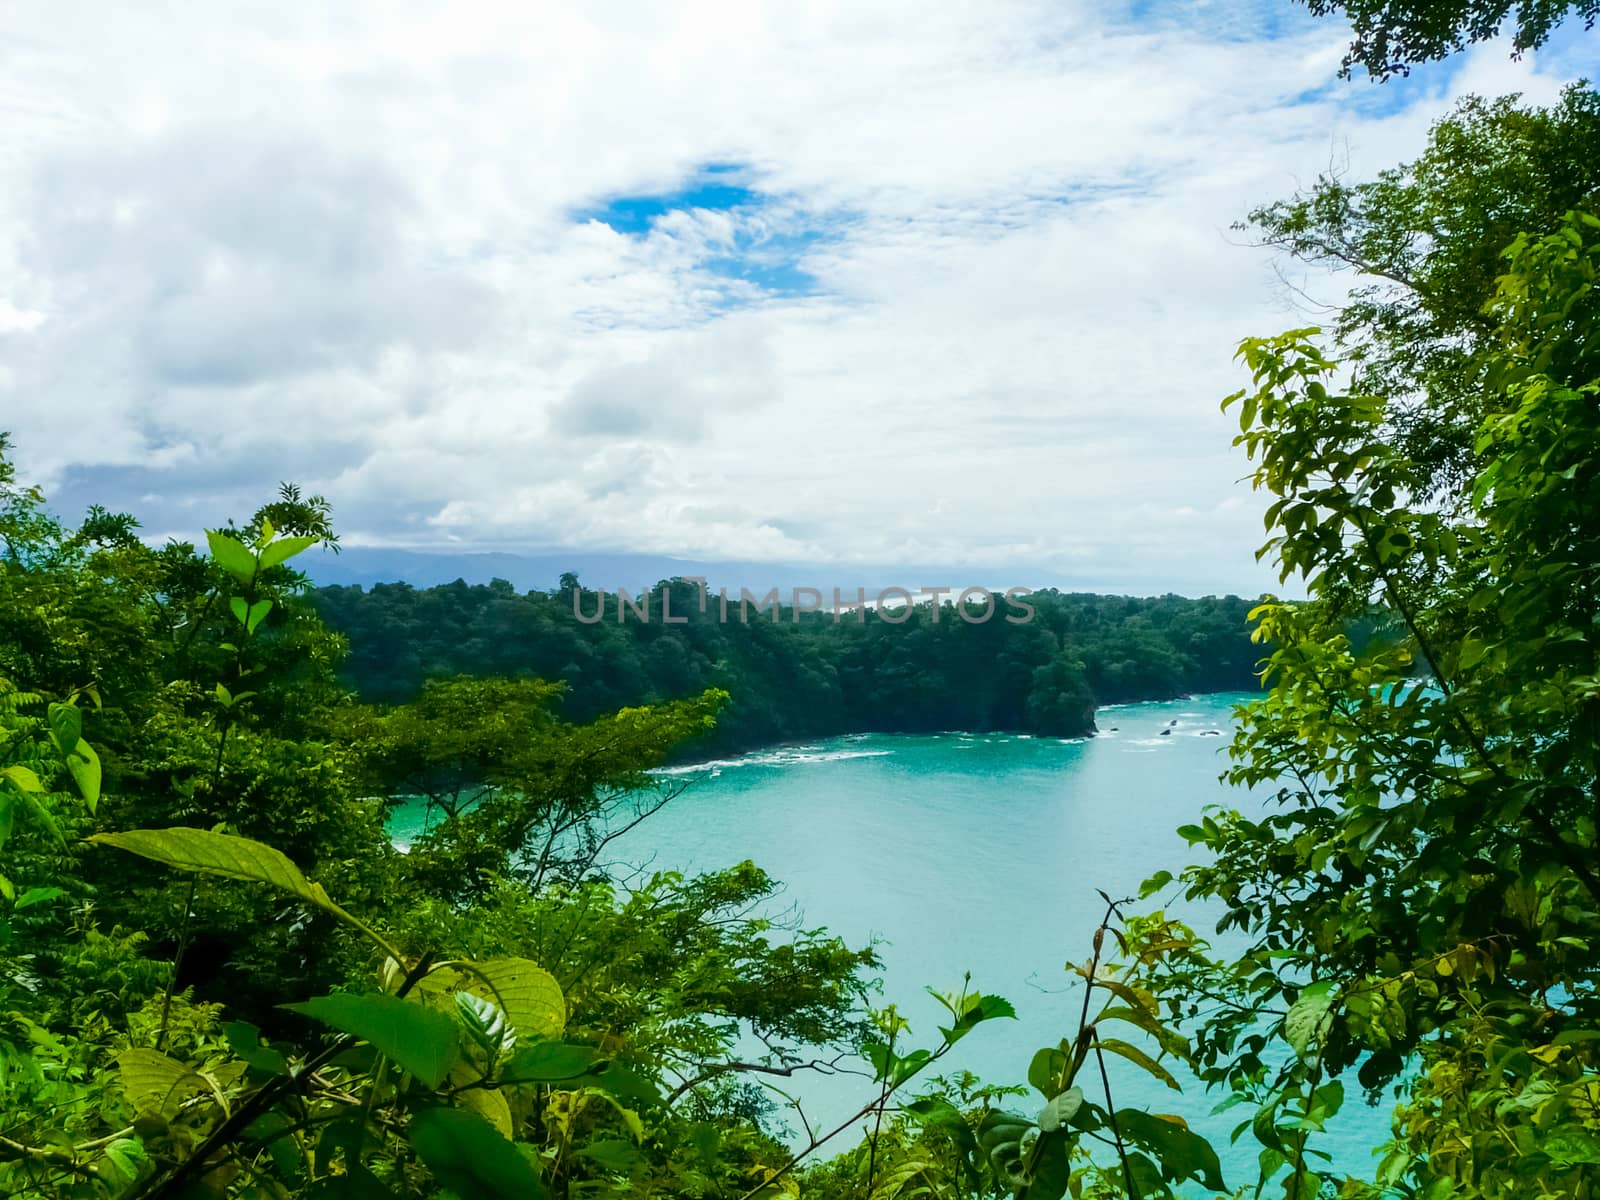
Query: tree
point(1392, 36)
point(1424, 240)
point(186, 1009)
point(1425, 896)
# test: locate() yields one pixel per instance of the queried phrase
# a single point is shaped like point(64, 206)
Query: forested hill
point(809, 678)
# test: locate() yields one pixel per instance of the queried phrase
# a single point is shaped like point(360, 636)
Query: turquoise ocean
point(966, 853)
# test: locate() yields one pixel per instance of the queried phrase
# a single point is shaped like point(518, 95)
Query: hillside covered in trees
point(813, 676)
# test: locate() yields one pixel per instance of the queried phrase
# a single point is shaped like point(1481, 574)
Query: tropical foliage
point(1389, 37)
point(220, 978)
point(805, 675)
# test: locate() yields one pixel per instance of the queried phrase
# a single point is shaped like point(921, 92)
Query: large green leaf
point(490, 1104)
point(1139, 1058)
point(66, 725)
point(232, 555)
point(226, 855)
point(1047, 1067)
point(153, 1081)
point(1309, 1017)
point(1572, 1144)
point(1182, 1153)
point(127, 1158)
point(33, 895)
point(84, 766)
point(283, 549)
point(1049, 1167)
point(549, 1062)
point(22, 778)
point(529, 995)
point(420, 1039)
point(1060, 1110)
point(485, 1024)
point(466, 1155)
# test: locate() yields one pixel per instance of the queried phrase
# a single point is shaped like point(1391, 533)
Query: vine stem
point(877, 1124)
point(865, 1110)
point(1111, 1115)
point(177, 960)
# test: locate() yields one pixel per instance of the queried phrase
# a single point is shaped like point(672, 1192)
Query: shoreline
point(731, 757)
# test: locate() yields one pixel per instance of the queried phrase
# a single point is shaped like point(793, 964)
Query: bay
point(966, 853)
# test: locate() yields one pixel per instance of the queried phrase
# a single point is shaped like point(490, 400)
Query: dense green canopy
point(811, 676)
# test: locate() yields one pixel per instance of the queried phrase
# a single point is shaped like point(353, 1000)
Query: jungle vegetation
point(792, 677)
point(220, 979)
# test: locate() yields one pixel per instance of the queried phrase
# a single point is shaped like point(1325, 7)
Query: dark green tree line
point(808, 677)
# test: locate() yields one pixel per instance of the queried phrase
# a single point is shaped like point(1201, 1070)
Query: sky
point(803, 283)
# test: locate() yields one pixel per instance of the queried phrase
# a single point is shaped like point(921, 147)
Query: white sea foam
point(786, 757)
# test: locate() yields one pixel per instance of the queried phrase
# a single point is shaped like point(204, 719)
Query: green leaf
point(21, 778)
point(66, 726)
point(1045, 1070)
point(490, 1104)
point(485, 1024)
point(83, 764)
point(1139, 1059)
point(232, 555)
point(37, 895)
point(8, 816)
point(244, 1039)
point(153, 1081)
point(978, 1008)
point(1143, 1018)
point(548, 1062)
point(938, 1113)
point(43, 815)
point(1062, 1109)
point(1049, 1167)
point(1571, 1144)
point(1309, 1017)
point(991, 1007)
point(258, 613)
point(420, 1039)
point(1182, 1153)
point(284, 549)
point(529, 995)
point(275, 1130)
point(221, 854)
point(1154, 884)
point(465, 1154)
point(240, 608)
point(128, 1157)
point(625, 1083)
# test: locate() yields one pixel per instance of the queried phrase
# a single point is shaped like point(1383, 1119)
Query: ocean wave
point(792, 756)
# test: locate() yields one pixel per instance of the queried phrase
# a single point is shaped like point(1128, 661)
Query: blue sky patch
point(717, 187)
point(761, 255)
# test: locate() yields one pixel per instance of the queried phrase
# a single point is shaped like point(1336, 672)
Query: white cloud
point(344, 245)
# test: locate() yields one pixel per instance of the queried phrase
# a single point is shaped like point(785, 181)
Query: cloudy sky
point(822, 282)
